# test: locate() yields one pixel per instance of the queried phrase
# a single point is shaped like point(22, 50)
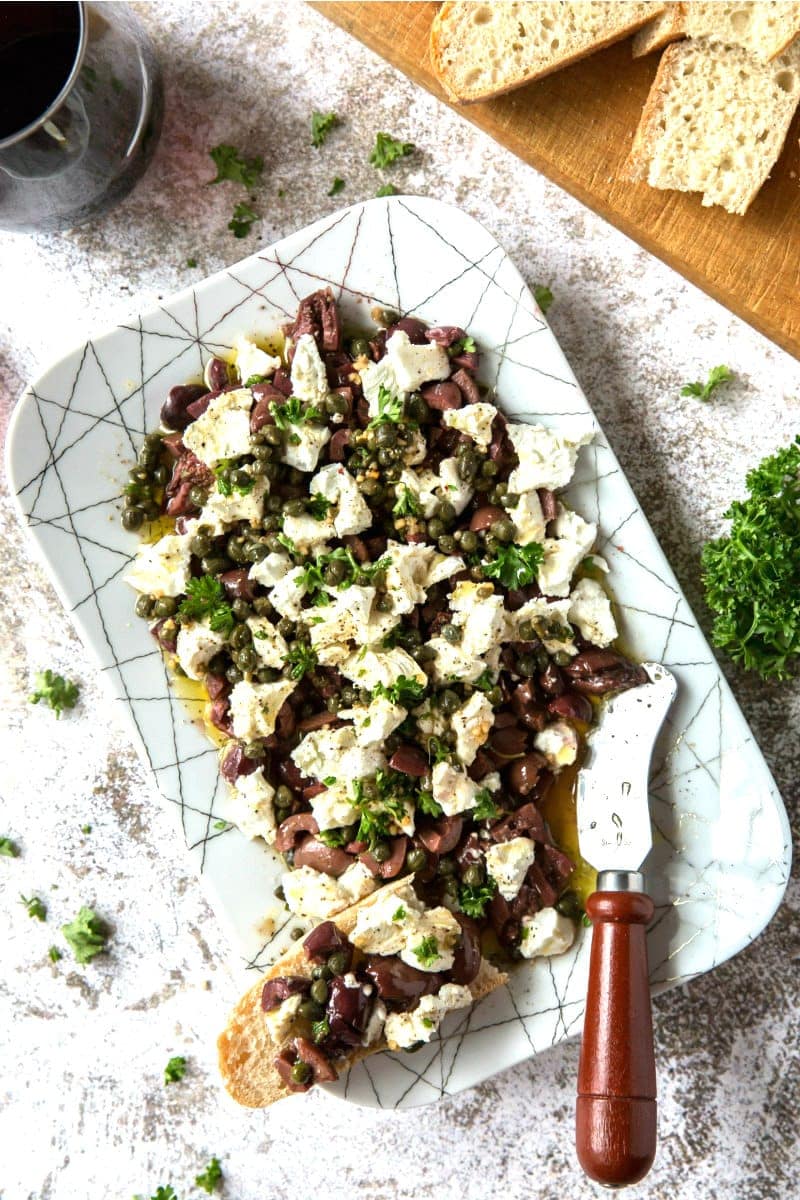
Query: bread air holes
point(740, 20)
point(482, 15)
point(786, 81)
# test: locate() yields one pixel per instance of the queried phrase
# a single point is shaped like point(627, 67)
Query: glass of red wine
point(81, 102)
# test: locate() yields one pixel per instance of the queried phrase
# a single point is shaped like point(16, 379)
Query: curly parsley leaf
point(716, 376)
point(404, 691)
point(336, 187)
point(399, 913)
point(427, 805)
point(438, 751)
point(321, 125)
point(87, 935)
point(35, 907)
point(165, 1192)
point(388, 150)
point(333, 837)
point(515, 566)
point(287, 543)
point(406, 504)
point(752, 576)
point(242, 220)
point(233, 166)
point(54, 954)
point(484, 682)
point(465, 345)
point(210, 1179)
point(485, 807)
point(543, 297)
point(302, 659)
point(230, 479)
point(8, 849)
point(388, 189)
point(175, 1069)
point(473, 900)
point(293, 412)
point(427, 951)
point(318, 507)
point(55, 690)
point(205, 597)
point(390, 409)
point(320, 1029)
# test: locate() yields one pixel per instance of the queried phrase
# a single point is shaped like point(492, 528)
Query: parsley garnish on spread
point(716, 376)
point(54, 954)
point(318, 507)
point(87, 935)
point(388, 149)
point(242, 220)
point(336, 187)
point(35, 907)
point(205, 597)
point(55, 690)
point(485, 807)
point(515, 566)
point(230, 480)
point(406, 504)
point(390, 409)
point(752, 576)
point(175, 1069)
point(543, 297)
point(300, 658)
point(8, 849)
point(233, 166)
point(473, 900)
point(427, 951)
point(293, 412)
point(404, 691)
point(321, 125)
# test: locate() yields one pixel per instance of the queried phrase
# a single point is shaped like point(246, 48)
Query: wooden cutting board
point(576, 127)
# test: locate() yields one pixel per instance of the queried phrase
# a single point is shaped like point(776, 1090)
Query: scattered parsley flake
point(209, 1179)
point(54, 954)
point(388, 150)
point(716, 376)
point(87, 935)
point(465, 345)
point(36, 907)
point(321, 125)
point(165, 1192)
point(318, 506)
point(320, 1029)
point(427, 951)
point(336, 187)
point(543, 297)
point(55, 690)
point(484, 682)
point(293, 412)
point(231, 165)
point(302, 659)
point(399, 914)
point(438, 751)
point(175, 1070)
point(287, 543)
point(388, 189)
point(254, 380)
point(427, 805)
point(427, 1022)
point(242, 220)
point(586, 920)
point(329, 780)
point(205, 597)
point(404, 691)
point(473, 900)
point(226, 486)
point(485, 807)
point(333, 837)
point(515, 566)
point(86, 829)
point(406, 503)
point(191, 262)
point(222, 825)
point(390, 409)
point(8, 849)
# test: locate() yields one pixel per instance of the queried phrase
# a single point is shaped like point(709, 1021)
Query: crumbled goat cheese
point(251, 360)
point(303, 445)
point(309, 377)
point(223, 430)
point(546, 458)
point(528, 519)
point(197, 643)
point(255, 706)
point(221, 511)
point(471, 724)
point(415, 365)
point(350, 513)
point(269, 645)
point(406, 1029)
point(558, 743)
point(453, 789)
point(161, 569)
point(270, 570)
point(590, 610)
point(249, 806)
point(474, 419)
point(508, 863)
point(572, 540)
point(544, 933)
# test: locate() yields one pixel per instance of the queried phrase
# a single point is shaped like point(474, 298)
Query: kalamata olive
point(572, 705)
point(219, 714)
point(392, 865)
point(292, 829)
point(442, 396)
point(549, 504)
point(237, 585)
point(317, 721)
point(598, 672)
point(485, 516)
point(467, 957)
point(527, 821)
point(347, 1011)
point(551, 681)
point(217, 374)
point(445, 335)
point(556, 865)
point(214, 684)
point(291, 774)
point(262, 410)
point(331, 860)
point(396, 980)
point(508, 743)
point(410, 760)
point(199, 406)
point(469, 359)
point(319, 1062)
point(326, 939)
point(337, 444)
point(442, 835)
point(467, 385)
point(523, 773)
point(275, 991)
point(413, 327)
point(235, 763)
point(282, 381)
point(287, 1066)
point(469, 853)
point(174, 409)
point(526, 707)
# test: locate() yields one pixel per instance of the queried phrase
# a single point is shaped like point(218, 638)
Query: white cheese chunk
point(351, 513)
point(251, 360)
point(255, 706)
point(221, 511)
point(406, 1029)
point(367, 668)
point(528, 519)
point(270, 570)
point(376, 377)
point(197, 643)
point(407, 574)
point(162, 568)
point(471, 724)
point(544, 933)
point(357, 882)
point(480, 613)
point(558, 743)
point(269, 645)
point(280, 1021)
point(309, 378)
point(590, 610)
point(384, 925)
point(452, 662)
point(223, 430)
point(375, 1024)
point(249, 806)
point(474, 419)
point(452, 487)
point(308, 534)
point(550, 620)
point(346, 619)
point(326, 753)
point(287, 594)
point(508, 863)
point(311, 893)
point(546, 458)
point(415, 365)
point(334, 807)
point(303, 445)
point(453, 789)
point(430, 940)
point(572, 540)
point(374, 722)
point(416, 449)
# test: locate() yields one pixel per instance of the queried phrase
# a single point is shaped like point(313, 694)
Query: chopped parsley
point(242, 220)
point(716, 376)
point(86, 829)
point(165, 1192)
point(373, 827)
point(333, 837)
point(388, 189)
point(465, 345)
point(404, 691)
point(175, 1070)
point(427, 805)
point(54, 954)
point(320, 1029)
point(205, 597)
point(55, 690)
point(87, 935)
point(318, 507)
point(8, 849)
point(752, 575)
point(321, 125)
point(329, 780)
point(484, 682)
point(473, 900)
point(231, 165)
point(515, 566)
point(485, 807)
point(438, 751)
point(399, 914)
point(209, 1179)
point(230, 480)
point(191, 262)
point(427, 1022)
point(406, 504)
point(336, 187)
point(543, 297)
point(313, 576)
point(36, 907)
point(221, 825)
point(427, 951)
point(388, 150)
point(390, 409)
point(254, 380)
point(287, 543)
point(302, 659)
point(293, 412)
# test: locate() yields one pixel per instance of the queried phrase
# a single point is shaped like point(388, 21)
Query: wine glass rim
point(69, 83)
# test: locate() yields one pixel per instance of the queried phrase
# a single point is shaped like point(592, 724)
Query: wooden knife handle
point(615, 1132)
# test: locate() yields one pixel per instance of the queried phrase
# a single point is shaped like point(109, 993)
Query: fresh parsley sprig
point(233, 166)
point(8, 849)
point(242, 220)
point(205, 597)
point(318, 506)
point(55, 690)
point(716, 376)
point(390, 409)
point(515, 566)
point(35, 907)
point(87, 935)
point(301, 659)
point(175, 1069)
point(543, 297)
point(230, 479)
point(406, 503)
point(294, 412)
point(321, 125)
point(485, 807)
point(388, 150)
point(210, 1179)
point(404, 691)
point(427, 951)
point(473, 900)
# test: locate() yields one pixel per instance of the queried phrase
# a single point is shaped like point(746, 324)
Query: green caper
point(369, 486)
point(561, 658)
point(381, 851)
point(319, 991)
point(386, 456)
point(504, 530)
point(359, 346)
point(320, 971)
point(491, 543)
point(447, 544)
point(255, 749)
point(233, 674)
point(165, 606)
point(348, 695)
point(494, 696)
point(379, 578)
point(284, 796)
point(267, 675)
point(446, 866)
point(510, 500)
point(488, 468)
point(272, 504)
point(469, 541)
point(449, 701)
point(452, 633)
point(526, 665)
point(262, 606)
point(295, 507)
point(215, 564)
point(569, 905)
point(200, 545)
point(144, 606)
point(473, 876)
point(272, 471)
point(301, 1071)
point(262, 453)
point(477, 574)
point(384, 603)
point(132, 518)
point(235, 548)
point(241, 636)
point(386, 435)
point(137, 475)
point(271, 523)
point(370, 789)
point(384, 317)
point(275, 545)
point(259, 469)
point(197, 496)
point(481, 484)
point(335, 572)
point(285, 627)
point(445, 511)
point(416, 859)
point(333, 704)
point(417, 409)
point(272, 435)
point(435, 528)
point(153, 441)
point(160, 475)
point(337, 962)
point(241, 610)
point(526, 631)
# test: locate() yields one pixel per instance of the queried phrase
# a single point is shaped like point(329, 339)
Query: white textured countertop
point(84, 1113)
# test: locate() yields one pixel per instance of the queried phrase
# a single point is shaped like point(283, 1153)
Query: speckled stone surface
point(83, 1109)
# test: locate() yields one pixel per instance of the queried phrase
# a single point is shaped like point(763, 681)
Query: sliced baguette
point(480, 50)
point(715, 121)
point(764, 27)
point(246, 1051)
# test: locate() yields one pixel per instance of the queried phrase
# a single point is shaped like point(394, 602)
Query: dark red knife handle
point(615, 1126)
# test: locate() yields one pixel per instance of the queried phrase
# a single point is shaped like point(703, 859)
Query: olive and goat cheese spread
point(399, 625)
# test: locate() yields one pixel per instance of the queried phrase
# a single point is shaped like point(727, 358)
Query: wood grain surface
point(576, 127)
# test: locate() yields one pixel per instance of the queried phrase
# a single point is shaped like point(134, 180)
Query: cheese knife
point(615, 1127)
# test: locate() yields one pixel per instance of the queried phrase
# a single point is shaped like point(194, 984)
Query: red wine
point(38, 46)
